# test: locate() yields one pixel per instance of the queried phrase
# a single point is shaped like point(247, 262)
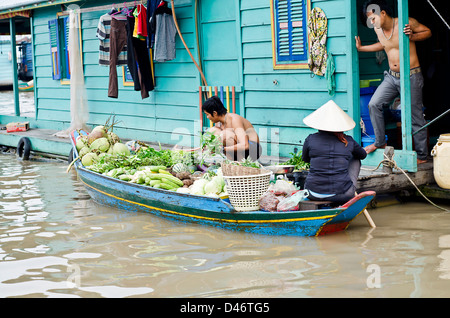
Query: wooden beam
point(405, 84)
point(12, 30)
point(353, 92)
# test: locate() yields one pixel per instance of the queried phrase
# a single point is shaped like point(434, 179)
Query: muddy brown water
point(56, 242)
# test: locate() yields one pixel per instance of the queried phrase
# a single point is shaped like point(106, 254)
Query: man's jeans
point(384, 95)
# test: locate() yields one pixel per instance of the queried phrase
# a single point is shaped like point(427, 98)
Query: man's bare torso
point(391, 47)
point(248, 127)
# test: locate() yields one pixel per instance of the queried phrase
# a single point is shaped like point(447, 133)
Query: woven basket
point(238, 170)
point(244, 192)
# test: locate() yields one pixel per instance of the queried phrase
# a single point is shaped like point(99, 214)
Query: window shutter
point(291, 30)
point(54, 48)
point(65, 45)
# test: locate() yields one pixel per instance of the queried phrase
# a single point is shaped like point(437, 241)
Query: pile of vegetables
point(101, 141)
point(176, 170)
point(211, 184)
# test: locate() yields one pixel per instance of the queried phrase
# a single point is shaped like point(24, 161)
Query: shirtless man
point(387, 29)
point(239, 138)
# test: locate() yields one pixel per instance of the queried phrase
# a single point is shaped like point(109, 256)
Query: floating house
point(6, 72)
point(254, 54)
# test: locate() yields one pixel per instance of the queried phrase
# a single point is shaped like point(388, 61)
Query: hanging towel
point(317, 29)
point(330, 75)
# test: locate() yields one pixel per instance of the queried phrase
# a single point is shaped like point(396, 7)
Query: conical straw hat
point(329, 117)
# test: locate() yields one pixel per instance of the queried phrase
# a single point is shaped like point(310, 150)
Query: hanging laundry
point(121, 15)
point(135, 29)
point(163, 26)
point(103, 34)
point(118, 41)
point(141, 15)
point(317, 29)
point(139, 63)
point(152, 5)
point(330, 75)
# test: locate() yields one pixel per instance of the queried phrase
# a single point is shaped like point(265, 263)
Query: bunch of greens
point(296, 161)
point(185, 157)
point(153, 157)
point(246, 162)
point(145, 157)
point(211, 146)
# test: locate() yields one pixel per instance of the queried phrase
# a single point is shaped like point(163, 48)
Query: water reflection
point(56, 242)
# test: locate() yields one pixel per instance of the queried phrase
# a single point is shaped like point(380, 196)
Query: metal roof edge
point(36, 5)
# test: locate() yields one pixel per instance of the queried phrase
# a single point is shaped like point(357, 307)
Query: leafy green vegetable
point(296, 161)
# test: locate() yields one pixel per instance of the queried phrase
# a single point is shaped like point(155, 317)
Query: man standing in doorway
point(379, 17)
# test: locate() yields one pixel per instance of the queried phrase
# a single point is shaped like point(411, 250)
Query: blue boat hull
point(204, 210)
point(201, 210)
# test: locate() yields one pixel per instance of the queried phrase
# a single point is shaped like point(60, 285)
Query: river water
point(56, 242)
point(26, 101)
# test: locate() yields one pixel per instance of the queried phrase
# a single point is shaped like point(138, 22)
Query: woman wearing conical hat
point(335, 158)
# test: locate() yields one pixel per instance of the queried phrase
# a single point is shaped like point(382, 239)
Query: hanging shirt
point(165, 32)
point(103, 34)
point(137, 30)
point(141, 12)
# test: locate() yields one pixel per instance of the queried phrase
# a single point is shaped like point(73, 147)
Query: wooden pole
point(368, 217)
point(12, 29)
point(405, 84)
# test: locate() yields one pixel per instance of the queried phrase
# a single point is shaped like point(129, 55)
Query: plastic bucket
point(366, 94)
point(368, 140)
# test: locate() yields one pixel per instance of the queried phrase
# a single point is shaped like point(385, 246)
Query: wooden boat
point(191, 208)
point(26, 86)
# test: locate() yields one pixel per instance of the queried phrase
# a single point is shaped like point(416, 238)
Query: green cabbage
point(215, 185)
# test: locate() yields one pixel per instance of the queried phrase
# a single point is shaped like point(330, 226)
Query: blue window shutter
point(54, 48)
point(291, 27)
point(65, 41)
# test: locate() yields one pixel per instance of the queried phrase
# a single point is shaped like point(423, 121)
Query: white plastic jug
point(441, 161)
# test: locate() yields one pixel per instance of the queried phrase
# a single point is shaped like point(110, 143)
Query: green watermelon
point(179, 167)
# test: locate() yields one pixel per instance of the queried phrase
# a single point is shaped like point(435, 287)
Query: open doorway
point(24, 62)
point(435, 62)
point(434, 57)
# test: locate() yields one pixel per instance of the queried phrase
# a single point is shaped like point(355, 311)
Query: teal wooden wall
point(170, 115)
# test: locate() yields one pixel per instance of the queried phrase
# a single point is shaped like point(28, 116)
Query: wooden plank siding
point(276, 101)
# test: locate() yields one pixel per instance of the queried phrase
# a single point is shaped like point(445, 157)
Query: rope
point(392, 164)
point(438, 14)
point(186, 47)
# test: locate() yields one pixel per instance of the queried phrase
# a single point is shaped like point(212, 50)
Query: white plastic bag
point(282, 186)
point(290, 203)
